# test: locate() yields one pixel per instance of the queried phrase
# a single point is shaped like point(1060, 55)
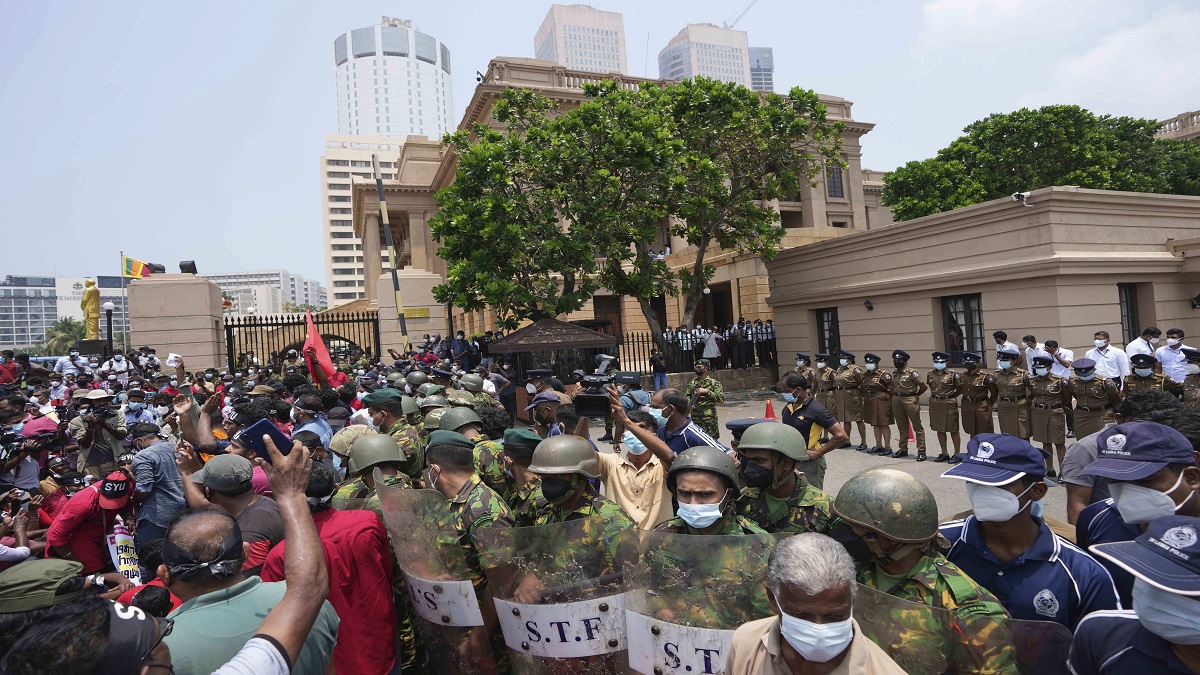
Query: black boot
point(957, 459)
point(942, 458)
point(899, 454)
point(921, 456)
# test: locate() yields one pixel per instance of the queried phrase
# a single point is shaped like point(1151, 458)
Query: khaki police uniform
point(1093, 408)
point(1012, 406)
point(877, 410)
point(944, 388)
point(976, 409)
point(1048, 420)
point(848, 393)
point(825, 384)
point(906, 407)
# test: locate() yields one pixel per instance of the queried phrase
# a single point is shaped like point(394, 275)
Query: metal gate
point(265, 340)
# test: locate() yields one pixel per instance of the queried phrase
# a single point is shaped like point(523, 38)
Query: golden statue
point(91, 310)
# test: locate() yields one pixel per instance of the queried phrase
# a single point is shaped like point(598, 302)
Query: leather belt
point(970, 399)
point(1011, 399)
point(906, 393)
point(1091, 409)
point(1044, 406)
point(942, 398)
point(845, 388)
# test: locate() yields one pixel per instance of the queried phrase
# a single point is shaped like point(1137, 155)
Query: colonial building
point(846, 202)
point(1061, 265)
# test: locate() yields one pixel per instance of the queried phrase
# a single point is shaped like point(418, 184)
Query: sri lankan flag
point(134, 268)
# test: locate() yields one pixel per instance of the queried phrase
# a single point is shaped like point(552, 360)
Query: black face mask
point(899, 364)
point(699, 372)
point(555, 488)
point(971, 366)
point(855, 545)
point(756, 475)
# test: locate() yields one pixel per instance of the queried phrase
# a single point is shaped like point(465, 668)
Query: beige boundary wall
point(178, 313)
point(1051, 270)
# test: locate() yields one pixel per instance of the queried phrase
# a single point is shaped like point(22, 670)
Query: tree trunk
point(656, 330)
point(695, 285)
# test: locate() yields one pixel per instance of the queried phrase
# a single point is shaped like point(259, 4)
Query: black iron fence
point(267, 339)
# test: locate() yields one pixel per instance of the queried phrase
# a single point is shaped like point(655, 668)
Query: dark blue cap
point(871, 358)
point(822, 357)
point(900, 354)
point(539, 373)
point(1166, 555)
point(999, 459)
point(438, 372)
point(738, 426)
point(1190, 354)
point(848, 355)
point(1083, 364)
point(1042, 360)
point(971, 357)
point(1008, 354)
point(1135, 450)
point(1143, 360)
point(802, 355)
point(941, 356)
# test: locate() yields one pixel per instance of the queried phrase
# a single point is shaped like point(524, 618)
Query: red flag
point(321, 356)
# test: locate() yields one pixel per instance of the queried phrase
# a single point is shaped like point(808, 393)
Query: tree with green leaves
point(1030, 149)
point(568, 202)
point(293, 308)
point(61, 336)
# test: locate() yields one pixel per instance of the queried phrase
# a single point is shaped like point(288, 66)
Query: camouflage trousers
point(706, 419)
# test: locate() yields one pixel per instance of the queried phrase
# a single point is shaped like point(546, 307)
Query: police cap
point(1142, 360)
point(1083, 364)
point(871, 358)
point(900, 355)
point(941, 357)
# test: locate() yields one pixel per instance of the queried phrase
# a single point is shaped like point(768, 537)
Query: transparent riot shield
point(349, 504)
point(1026, 647)
point(919, 638)
point(689, 595)
point(559, 593)
point(439, 571)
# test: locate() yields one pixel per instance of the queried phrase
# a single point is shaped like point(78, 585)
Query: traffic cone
point(912, 437)
point(770, 413)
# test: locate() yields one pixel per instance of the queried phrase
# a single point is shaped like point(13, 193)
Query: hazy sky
point(193, 130)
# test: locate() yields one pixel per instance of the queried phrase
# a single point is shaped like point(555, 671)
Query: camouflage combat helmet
point(703, 458)
point(433, 419)
point(890, 502)
point(437, 401)
point(456, 418)
point(416, 378)
point(374, 449)
point(408, 406)
point(430, 389)
point(393, 378)
point(563, 455)
point(782, 438)
point(471, 382)
point(458, 398)
point(344, 440)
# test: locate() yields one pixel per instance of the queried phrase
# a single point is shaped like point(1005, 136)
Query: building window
point(337, 210)
point(337, 174)
point(343, 223)
point(340, 198)
point(829, 337)
point(343, 271)
point(840, 224)
point(337, 162)
point(1130, 326)
point(962, 322)
point(339, 186)
point(833, 182)
point(341, 235)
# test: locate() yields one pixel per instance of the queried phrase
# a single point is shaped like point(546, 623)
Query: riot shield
point(919, 638)
point(438, 575)
point(690, 594)
point(559, 592)
point(349, 504)
point(1028, 647)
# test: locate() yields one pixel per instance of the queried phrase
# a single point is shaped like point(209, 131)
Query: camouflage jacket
point(706, 405)
point(730, 524)
point(409, 439)
point(489, 463)
point(357, 489)
point(525, 501)
point(808, 509)
point(981, 642)
point(483, 401)
point(476, 506)
point(611, 522)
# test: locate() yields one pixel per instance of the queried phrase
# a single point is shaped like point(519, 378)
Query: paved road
point(950, 493)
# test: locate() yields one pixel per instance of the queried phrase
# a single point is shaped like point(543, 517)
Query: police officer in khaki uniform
point(805, 369)
point(1142, 377)
point(979, 395)
point(907, 388)
point(1047, 414)
point(1012, 385)
point(1094, 397)
point(823, 382)
point(877, 408)
point(944, 387)
point(848, 385)
point(1191, 381)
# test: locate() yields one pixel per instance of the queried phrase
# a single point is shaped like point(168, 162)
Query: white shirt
point(1057, 368)
point(1039, 350)
point(1111, 362)
point(1172, 361)
point(1007, 347)
point(1139, 346)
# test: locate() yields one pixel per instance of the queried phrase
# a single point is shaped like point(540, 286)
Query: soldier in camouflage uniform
point(897, 516)
point(706, 392)
point(777, 498)
point(390, 413)
point(473, 384)
point(413, 381)
point(488, 462)
point(1191, 381)
point(704, 482)
point(524, 493)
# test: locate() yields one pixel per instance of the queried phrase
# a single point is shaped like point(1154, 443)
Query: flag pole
point(124, 308)
point(387, 233)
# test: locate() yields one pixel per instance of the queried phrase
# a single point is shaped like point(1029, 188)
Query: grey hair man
point(810, 584)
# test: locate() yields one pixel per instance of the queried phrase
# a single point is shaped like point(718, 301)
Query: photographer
point(99, 429)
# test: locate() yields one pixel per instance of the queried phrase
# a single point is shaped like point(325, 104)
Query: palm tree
point(62, 336)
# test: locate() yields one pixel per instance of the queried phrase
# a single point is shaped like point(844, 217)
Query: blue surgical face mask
point(938, 365)
point(699, 516)
point(789, 397)
point(657, 414)
point(1004, 365)
point(137, 407)
point(1143, 372)
point(636, 447)
point(1086, 376)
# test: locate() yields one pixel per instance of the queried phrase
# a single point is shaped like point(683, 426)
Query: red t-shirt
point(81, 524)
point(9, 373)
point(359, 561)
point(127, 597)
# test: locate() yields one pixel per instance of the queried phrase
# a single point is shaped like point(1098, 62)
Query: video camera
point(593, 401)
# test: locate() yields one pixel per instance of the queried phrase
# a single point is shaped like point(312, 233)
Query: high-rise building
point(762, 69)
point(268, 290)
point(704, 49)
point(582, 37)
point(31, 305)
point(392, 80)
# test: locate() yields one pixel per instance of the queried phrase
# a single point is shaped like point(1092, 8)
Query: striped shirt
point(688, 436)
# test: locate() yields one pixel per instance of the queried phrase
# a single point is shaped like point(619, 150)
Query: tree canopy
point(566, 202)
point(1030, 149)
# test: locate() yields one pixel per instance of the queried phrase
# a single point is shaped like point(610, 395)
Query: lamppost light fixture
point(108, 306)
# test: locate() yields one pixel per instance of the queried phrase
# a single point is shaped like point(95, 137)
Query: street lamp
point(108, 310)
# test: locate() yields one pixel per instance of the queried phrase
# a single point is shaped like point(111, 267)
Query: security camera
point(1022, 197)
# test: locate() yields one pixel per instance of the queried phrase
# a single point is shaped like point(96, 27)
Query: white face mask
point(817, 642)
point(1100, 344)
point(820, 365)
point(1191, 368)
point(1040, 371)
point(938, 365)
point(1141, 505)
point(993, 504)
point(162, 409)
point(1152, 341)
point(870, 366)
point(699, 516)
point(1173, 342)
point(1143, 372)
point(844, 362)
point(530, 389)
point(1004, 365)
point(1173, 617)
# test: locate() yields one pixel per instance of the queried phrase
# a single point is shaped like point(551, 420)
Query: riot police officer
point(368, 453)
point(566, 463)
point(777, 497)
point(703, 482)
